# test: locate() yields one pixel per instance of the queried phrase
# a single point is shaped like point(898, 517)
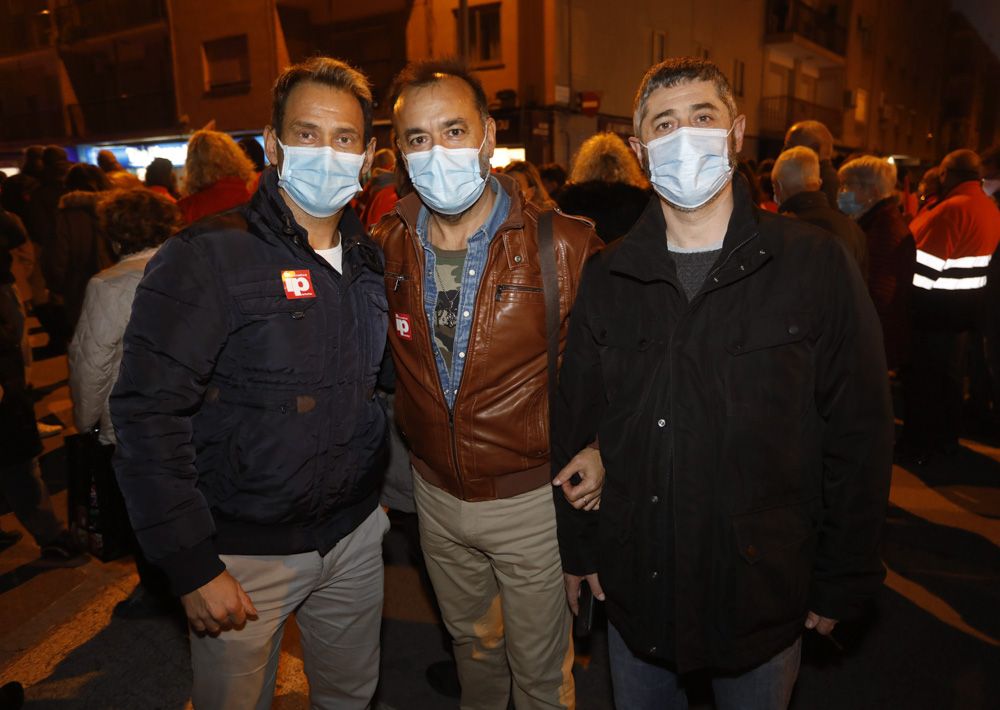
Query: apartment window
point(226, 63)
point(484, 34)
point(659, 52)
point(739, 70)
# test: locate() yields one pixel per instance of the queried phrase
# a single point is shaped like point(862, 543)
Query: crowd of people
point(719, 438)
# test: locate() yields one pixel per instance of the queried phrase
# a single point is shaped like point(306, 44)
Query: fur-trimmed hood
point(80, 199)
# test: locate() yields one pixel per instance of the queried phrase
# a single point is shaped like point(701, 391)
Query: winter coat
point(96, 350)
point(891, 262)
point(245, 406)
point(613, 206)
point(224, 194)
point(814, 208)
point(79, 250)
point(747, 437)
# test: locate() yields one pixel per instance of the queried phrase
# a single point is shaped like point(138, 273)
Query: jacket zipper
point(729, 256)
point(451, 410)
point(397, 278)
point(514, 288)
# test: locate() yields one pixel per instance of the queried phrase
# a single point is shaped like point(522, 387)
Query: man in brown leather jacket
point(468, 337)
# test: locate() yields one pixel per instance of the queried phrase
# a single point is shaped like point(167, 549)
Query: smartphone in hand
point(584, 621)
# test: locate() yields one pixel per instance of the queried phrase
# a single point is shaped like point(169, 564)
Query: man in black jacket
point(729, 363)
point(796, 181)
point(250, 442)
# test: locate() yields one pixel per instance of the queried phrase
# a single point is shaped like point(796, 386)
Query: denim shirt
point(475, 262)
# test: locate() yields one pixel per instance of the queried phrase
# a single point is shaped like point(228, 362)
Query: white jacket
point(96, 350)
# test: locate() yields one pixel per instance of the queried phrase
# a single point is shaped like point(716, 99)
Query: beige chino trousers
point(498, 579)
point(337, 600)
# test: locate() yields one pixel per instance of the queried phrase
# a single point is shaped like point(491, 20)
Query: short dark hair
point(554, 172)
point(85, 177)
point(137, 219)
point(254, 151)
point(431, 71)
point(329, 72)
point(679, 70)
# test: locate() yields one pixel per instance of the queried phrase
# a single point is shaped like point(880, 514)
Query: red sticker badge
point(298, 284)
point(403, 326)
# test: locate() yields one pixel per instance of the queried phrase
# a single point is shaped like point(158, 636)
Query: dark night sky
point(985, 16)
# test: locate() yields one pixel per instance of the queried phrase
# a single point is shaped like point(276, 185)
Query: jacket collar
point(876, 210)
point(644, 254)
point(269, 208)
point(408, 208)
point(807, 200)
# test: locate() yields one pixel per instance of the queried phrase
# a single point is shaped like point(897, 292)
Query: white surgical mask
point(448, 180)
point(690, 166)
point(320, 180)
point(991, 186)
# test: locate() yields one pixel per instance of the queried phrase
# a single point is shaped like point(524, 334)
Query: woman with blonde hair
point(216, 175)
point(607, 185)
point(530, 181)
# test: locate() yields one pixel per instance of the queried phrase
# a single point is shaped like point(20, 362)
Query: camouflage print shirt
point(448, 272)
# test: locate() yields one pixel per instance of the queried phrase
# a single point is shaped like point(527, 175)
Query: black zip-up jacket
point(747, 437)
point(246, 418)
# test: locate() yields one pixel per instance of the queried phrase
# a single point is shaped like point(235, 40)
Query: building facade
point(899, 77)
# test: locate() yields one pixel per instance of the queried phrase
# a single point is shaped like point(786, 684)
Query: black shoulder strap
point(550, 285)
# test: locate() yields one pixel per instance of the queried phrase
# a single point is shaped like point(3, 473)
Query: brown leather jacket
point(495, 442)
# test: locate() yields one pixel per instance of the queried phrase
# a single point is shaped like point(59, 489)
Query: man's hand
point(573, 589)
point(585, 495)
point(218, 605)
point(822, 624)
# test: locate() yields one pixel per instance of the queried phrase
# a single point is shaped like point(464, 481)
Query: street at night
point(499, 355)
point(930, 641)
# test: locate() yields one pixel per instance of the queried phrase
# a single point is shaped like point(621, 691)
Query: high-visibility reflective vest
point(956, 240)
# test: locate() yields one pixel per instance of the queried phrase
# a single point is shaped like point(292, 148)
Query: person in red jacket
point(955, 245)
point(217, 173)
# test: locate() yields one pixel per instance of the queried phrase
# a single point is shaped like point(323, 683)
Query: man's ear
point(491, 136)
point(271, 149)
point(636, 146)
point(369, 156)
point(739, 128)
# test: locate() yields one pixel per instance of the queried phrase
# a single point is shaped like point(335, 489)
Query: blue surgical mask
point(849, 204)
point(448, 180)
point(320, 180)
point(690, 166)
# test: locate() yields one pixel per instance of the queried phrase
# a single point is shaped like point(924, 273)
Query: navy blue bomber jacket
point(244, 408)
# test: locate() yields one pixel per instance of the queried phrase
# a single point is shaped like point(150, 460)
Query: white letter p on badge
point(403, 326)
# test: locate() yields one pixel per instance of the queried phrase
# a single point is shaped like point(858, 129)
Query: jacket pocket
point(769, 562)
point(519, 293)
point(284, 338)
point(537, 424)
point(770, 368)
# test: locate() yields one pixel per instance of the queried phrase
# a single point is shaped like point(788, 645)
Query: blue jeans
point(642, 685)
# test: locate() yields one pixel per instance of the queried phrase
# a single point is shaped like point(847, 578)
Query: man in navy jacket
point(250, 442)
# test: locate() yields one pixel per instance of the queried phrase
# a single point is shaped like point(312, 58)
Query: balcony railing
point(778, 113)
point(124, 114)
point(785, 17)
point(84, 19)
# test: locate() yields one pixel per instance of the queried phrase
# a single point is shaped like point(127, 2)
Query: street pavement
point(929, 641)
